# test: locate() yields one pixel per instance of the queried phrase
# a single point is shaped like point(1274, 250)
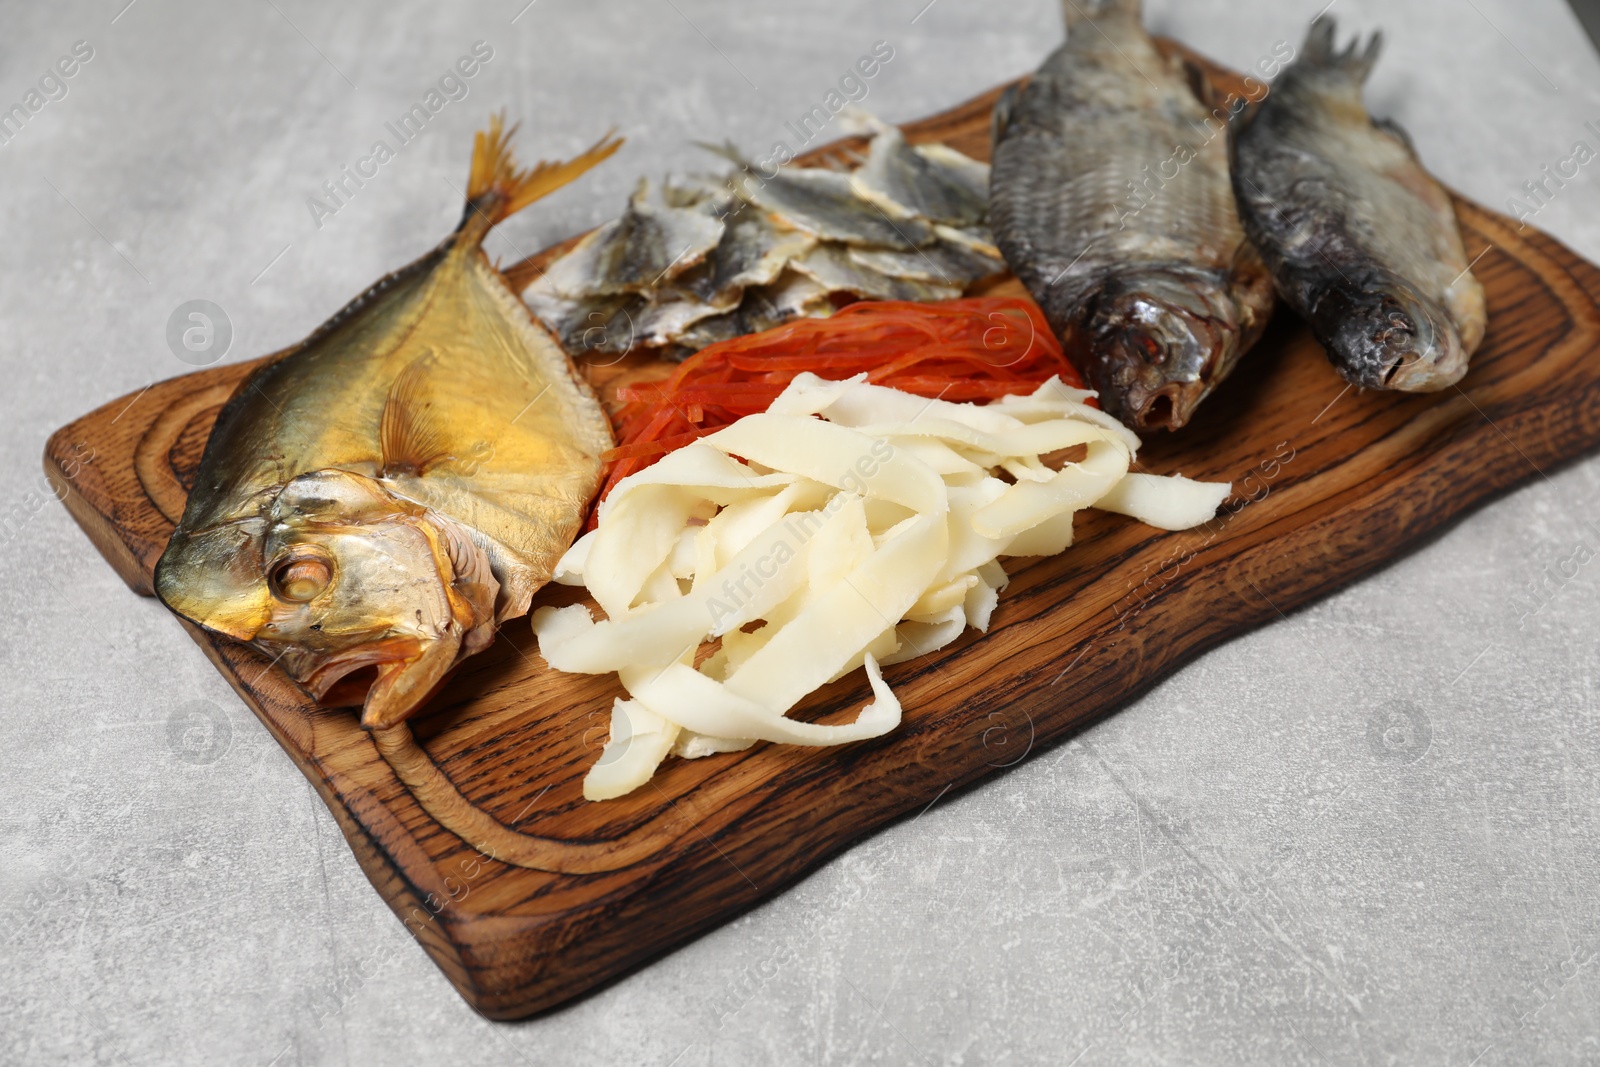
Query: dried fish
point(823, 203)
point(787, 243)
point(373, 504)
point(792, 296)
point(614, 323)
point(979, 239)
point(1156, 299)
point(661, 323)
point(600, 323)
point(1360, 239)
point(752, 251)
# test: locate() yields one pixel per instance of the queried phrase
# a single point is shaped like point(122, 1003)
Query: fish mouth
point(319, 675)
point(1438, 363)
point(1157, 345)
point(1139, 393)
point(1167, 406)
point(389, 678)
point(1386, 337)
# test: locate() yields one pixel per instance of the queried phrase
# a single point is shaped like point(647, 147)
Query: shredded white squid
point(862, 527)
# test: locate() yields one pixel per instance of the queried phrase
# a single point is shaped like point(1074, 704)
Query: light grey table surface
point(1365, 834)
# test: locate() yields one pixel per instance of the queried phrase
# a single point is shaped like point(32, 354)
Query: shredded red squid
point(978, 348)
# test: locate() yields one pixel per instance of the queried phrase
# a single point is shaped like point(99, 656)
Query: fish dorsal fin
point(1353, 63)
point(497, 188)
point(409, 432)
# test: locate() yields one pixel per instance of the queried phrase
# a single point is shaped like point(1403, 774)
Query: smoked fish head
point(361, 596)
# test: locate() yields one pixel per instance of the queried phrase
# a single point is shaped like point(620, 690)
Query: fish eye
point(301, 577)
point(1151, 349)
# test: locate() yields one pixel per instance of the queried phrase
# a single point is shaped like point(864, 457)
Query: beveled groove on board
point(1328, 485)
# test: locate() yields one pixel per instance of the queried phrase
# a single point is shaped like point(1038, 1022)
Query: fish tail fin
point(497, 188)
point(1083, 12)
point(1321, 51)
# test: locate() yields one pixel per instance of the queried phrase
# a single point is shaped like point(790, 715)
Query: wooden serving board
point(1329, 483)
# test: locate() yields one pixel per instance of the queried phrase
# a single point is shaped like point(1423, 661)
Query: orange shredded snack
point(978, 348)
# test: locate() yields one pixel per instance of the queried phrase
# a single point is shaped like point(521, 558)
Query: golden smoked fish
point(372, 504)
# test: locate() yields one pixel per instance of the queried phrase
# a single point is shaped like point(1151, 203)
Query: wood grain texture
point(1329, 483)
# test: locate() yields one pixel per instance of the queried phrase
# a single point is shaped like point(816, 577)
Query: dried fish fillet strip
point(602, 323)
point(822, 202)
point(753, 251)
point(831, 266)
point(930, 182)
point(978, 238)
point(662, 323)
point(647, 245)
point(945, 263)
point(791, 297)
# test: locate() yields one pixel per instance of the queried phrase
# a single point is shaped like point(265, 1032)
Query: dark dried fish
point(1360, 239)
point(1155, 296)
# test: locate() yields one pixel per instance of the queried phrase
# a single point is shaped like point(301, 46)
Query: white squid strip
point(1167, 503)
point(640, 740)
point(710, 708)
point(850, 526)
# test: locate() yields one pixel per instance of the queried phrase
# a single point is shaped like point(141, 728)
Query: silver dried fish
point(979, 238)
point(790, 297)
point(752, 251)
point(598, 323)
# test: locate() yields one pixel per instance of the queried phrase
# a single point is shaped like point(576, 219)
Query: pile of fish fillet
point(712, 258)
